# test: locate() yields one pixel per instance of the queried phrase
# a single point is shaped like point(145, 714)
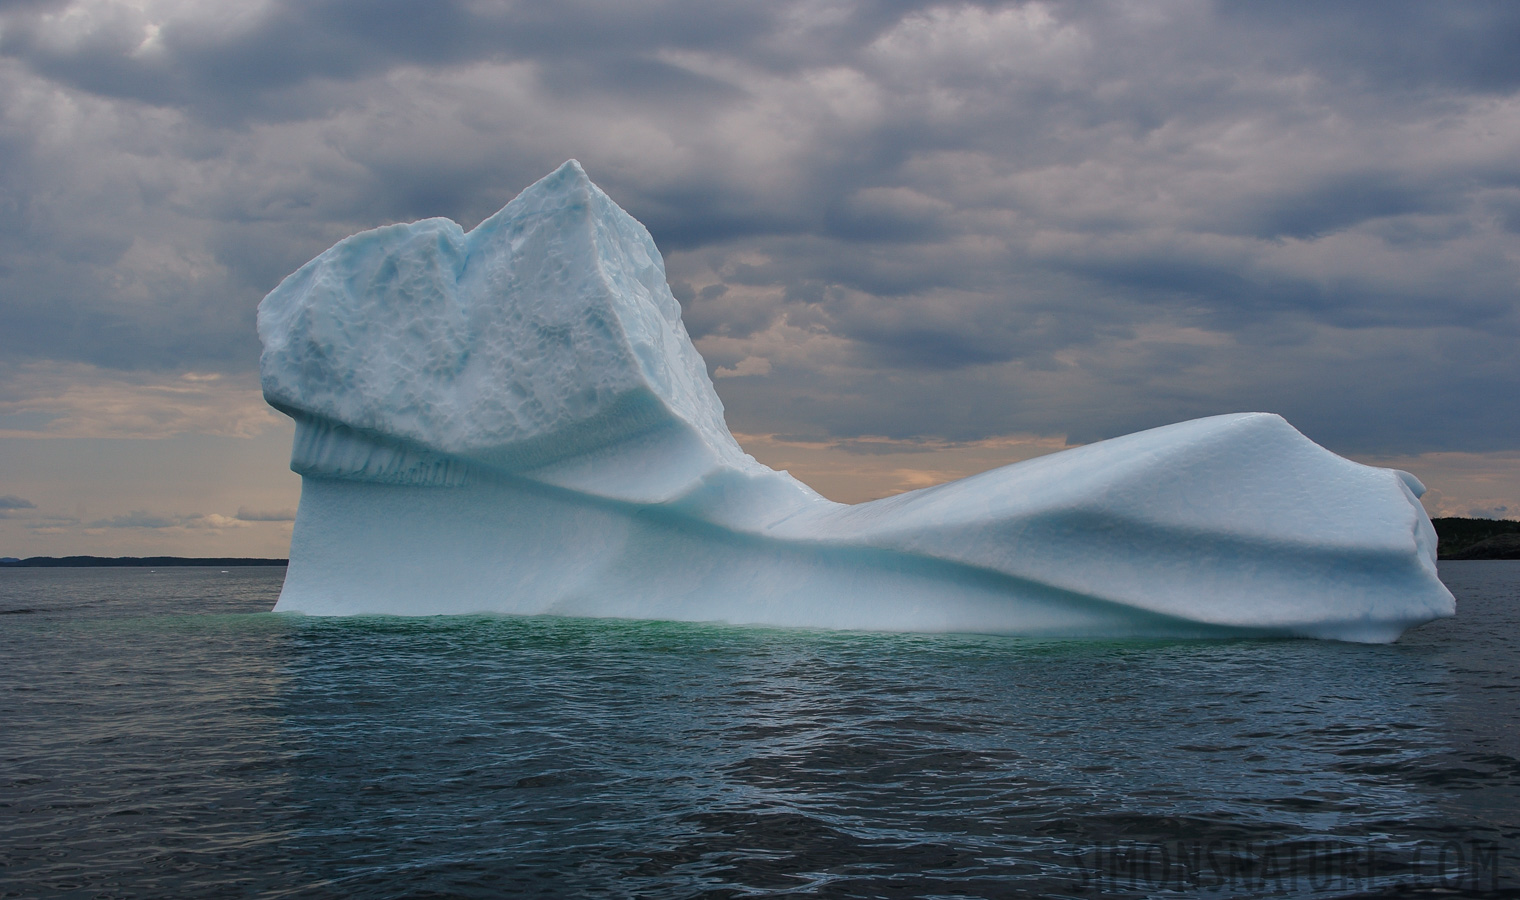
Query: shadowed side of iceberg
point(514, 546)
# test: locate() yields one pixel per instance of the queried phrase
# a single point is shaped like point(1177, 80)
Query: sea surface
point(163, 735)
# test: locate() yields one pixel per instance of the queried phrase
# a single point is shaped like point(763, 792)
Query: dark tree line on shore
point(1477, 538)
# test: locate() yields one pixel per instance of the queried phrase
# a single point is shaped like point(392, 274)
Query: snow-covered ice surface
point(514, 420)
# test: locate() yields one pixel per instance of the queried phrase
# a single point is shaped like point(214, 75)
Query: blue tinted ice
point(514, 420)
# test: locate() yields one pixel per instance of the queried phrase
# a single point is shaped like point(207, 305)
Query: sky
point(912, 240)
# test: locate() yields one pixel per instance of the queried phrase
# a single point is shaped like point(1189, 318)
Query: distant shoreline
point(1477, 538)
point(137, 562)
point(1458, 539)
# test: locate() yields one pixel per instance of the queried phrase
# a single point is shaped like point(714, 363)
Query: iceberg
point(514, 420)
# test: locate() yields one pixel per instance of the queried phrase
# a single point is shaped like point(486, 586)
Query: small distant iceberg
point(514, 420)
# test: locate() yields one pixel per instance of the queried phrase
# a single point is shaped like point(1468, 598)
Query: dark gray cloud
point(948, 220)
point(1500, 511)
point(262, 62)
point(1410, 46)
point(12, 502)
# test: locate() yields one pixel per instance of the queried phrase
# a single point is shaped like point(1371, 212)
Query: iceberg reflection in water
point(514, 420)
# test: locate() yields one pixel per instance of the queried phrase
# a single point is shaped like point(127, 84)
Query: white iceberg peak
point(514, 419)
point(545, 334)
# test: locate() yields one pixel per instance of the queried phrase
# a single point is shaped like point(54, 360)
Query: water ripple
point(166, 737)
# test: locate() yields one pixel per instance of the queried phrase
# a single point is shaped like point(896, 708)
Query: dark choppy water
point(161, 736)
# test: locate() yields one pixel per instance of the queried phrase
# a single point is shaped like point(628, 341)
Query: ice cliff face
point(543, 337)
point(515, 420)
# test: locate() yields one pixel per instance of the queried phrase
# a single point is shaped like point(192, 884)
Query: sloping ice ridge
point(514, 420)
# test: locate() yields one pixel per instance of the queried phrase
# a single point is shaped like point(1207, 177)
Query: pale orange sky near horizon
point(199, 467)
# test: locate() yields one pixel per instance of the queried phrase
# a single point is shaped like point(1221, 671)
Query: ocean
point(163, 735)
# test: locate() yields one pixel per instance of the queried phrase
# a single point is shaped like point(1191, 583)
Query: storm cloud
point(902, 220)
